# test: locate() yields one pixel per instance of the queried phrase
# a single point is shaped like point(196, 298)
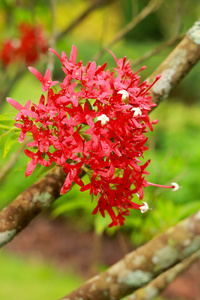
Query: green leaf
point(89, 104)
point(10, 142)
point(86, 136)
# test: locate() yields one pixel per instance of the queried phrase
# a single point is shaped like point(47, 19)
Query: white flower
point(137, 111)
point(103, 118)
point(144, 207)
point(124, 93)
point(176, 186)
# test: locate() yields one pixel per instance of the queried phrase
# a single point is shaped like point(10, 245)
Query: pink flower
point(23, 110)
point(46, 80)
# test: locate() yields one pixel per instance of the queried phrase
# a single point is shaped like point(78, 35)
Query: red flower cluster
point(27, 48)
point(96, 121)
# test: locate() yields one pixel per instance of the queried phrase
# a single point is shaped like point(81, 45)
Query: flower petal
point(37, 74)
point(73, 54)
point(14, 103)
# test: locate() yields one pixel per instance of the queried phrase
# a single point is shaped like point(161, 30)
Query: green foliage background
point(174, 145)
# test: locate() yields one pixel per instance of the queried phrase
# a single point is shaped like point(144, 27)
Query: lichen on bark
point(162, 253)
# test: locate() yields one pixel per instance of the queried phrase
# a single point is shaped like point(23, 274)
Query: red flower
point(7, 52)
point(46, 80)
point(97, 121)
point(27, 48)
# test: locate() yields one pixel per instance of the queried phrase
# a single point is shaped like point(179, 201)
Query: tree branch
point(158, 285)
point(144, 264)
point(177, 65)
point(30, 203)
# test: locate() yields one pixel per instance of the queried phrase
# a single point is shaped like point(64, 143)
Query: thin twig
point(95, 4)
point(149, 9)
point(177, 22)
point(103, 29)
point(135, 8)
point(8, 88)
point(52, 40)
point(157, 50)
point(122, 243)
point(95, 254)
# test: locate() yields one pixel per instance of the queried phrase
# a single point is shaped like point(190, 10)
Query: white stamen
point(124, 93)
point(144, 207)
point(137, 111)
point(176, 186)
point(103, 118)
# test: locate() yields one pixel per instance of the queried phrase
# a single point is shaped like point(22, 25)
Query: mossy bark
point(159, 284)
point(177, 65)
point(30, 203)
point(141, 266)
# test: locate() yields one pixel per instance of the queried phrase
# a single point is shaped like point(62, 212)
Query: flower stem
point(163, 186)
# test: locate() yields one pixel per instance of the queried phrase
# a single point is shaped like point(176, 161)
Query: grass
point(32, 279)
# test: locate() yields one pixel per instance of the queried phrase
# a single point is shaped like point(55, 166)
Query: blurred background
point(67, 244)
